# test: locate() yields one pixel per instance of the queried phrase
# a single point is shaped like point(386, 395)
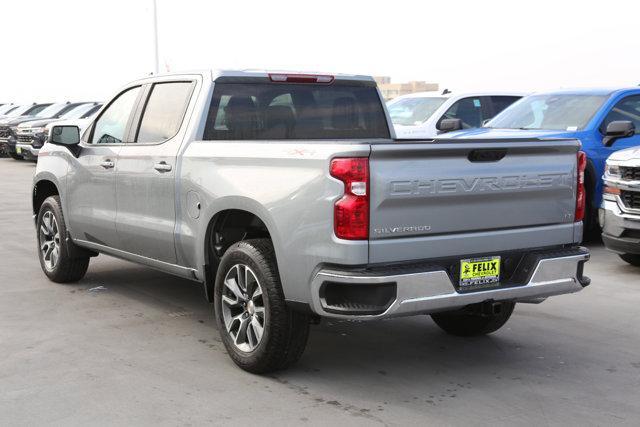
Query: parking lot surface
point(129, 345)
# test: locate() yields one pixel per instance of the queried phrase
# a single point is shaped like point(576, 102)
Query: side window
point(626, 109)
point(110, 127)
point(469, 110)
point(501, 102)
point(164, 111)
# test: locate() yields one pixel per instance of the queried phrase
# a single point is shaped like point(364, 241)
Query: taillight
point(351, 212)
point(580, 192)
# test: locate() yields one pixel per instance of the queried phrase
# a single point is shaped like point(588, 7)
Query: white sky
point(85, 50)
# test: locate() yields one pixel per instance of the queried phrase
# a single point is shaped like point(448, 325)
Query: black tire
point(633, 259)
point(469, 322)
point(71, 264)
point(15, 156)
point(285, 331)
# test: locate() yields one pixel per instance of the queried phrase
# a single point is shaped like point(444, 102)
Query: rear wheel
point(261, 334)
point(474, 320)
point(15, 156)
point(633, 259)
point(55, 251)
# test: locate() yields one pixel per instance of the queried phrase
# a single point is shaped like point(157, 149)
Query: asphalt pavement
point(132, 346)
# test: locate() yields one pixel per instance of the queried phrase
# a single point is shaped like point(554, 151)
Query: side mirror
point(449, 125)
point(67, 136)
point(618, 129)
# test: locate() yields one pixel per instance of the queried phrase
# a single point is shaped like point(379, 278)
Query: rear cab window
point(264, 110)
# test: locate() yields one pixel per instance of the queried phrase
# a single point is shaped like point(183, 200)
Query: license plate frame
point(486, 272)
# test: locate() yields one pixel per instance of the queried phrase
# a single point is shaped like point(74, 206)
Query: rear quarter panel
point(286, 184)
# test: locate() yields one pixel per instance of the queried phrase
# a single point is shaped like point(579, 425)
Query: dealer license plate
point(479, 271)
point(18, 150)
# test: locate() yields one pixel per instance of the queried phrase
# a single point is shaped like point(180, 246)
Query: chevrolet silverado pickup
point(289, 199)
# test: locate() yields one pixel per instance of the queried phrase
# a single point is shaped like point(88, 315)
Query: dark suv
point(18, 114)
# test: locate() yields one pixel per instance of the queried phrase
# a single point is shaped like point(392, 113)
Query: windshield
point(553, 112)
point(413, 111)
point(92, 111)
point(52, 110)
point(7, 108)
point(18, 111)
point(77, 112)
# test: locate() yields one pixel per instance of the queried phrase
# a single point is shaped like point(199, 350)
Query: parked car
point(6, 108)
point(583, 114)
point(620, 211)
point(421, 115)
point(21, 112)
point(287, 197)
point(9, 127)
point(32, 135)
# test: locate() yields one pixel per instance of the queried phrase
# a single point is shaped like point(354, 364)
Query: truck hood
point(413, 132)
point(624, 155)
point(14, 121)
point(36, 123)
point(489, 133)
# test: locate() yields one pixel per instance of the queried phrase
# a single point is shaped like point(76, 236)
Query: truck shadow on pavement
point(336, 349)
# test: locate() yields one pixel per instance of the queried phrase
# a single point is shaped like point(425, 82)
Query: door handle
point(162, 167)
point(107, 164)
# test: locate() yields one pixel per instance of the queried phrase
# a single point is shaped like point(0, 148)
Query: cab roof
point(216, 74)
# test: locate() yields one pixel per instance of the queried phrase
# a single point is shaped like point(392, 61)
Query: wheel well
point(41, 191)
point(225, 229)
point(590, 180)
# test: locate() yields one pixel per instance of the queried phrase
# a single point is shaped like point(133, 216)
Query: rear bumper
point(429, 289)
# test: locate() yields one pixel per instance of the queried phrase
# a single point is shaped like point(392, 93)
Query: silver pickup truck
point(287, 197)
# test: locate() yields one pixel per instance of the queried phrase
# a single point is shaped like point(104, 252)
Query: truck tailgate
point(432, 199)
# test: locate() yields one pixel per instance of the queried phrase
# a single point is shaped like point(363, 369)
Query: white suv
point(420, 115)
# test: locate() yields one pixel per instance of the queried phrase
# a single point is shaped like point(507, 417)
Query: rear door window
point(272, 111)
point(164, 111)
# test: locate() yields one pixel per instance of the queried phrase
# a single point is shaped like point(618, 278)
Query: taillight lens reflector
point(351, 212)
point(581, 200)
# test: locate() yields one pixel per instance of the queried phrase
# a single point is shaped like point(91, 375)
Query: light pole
point(155, 36)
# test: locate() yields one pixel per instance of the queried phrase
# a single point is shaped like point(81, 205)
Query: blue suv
point(604, 120)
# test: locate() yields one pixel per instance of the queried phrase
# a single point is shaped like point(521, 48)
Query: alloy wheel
point(243, 307)
point(49, 240)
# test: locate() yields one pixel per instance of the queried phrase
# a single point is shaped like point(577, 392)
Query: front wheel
point(472, 321)
point(261, 334)
point(633, 259)
point(54, 249)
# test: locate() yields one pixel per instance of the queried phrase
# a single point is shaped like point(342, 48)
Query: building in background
point(391, 90)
